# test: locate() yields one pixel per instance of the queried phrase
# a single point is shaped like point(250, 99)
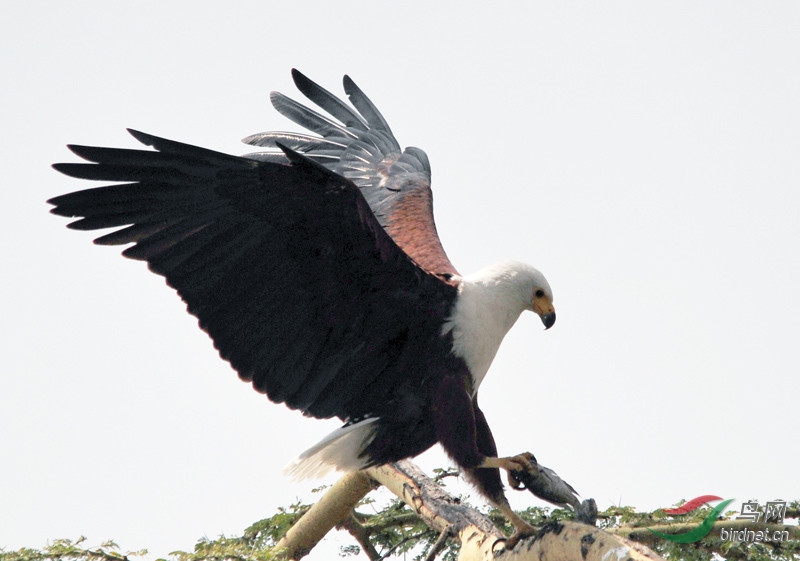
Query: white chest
point(482, 316)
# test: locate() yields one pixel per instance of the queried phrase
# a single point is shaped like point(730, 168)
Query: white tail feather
point(337, 451)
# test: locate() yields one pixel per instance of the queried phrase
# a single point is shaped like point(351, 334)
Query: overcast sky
point(643, 155)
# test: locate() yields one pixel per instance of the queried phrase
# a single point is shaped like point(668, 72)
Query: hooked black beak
point(548, 320)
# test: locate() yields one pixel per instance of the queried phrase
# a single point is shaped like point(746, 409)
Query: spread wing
point(359, 145)
point(284, 265)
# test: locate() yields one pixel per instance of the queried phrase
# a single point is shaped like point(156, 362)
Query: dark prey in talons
point(545, 484)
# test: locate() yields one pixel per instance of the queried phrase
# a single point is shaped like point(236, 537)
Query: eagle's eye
point(539, 293)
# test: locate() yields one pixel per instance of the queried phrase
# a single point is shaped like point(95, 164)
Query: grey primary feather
point(359, 145)
point(365, 106)
point(307, 118)
point(328, 102)
point(304, 142)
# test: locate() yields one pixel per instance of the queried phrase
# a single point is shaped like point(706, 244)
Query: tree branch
point(334, 506)
point(439, 543)
point(480, 539)
point(361, 535)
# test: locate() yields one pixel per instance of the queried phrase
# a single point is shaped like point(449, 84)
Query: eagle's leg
point(522, 529)
point(488, 480)
point(465, 435)
point(488, 473)
point(520, 462)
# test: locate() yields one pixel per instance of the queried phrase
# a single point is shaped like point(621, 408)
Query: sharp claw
point(515, 482)
point(522, 462)
point(519, 535)
point(512, 542)
point(528, 460)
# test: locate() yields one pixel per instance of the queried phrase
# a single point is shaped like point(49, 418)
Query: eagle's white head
point(488, 305)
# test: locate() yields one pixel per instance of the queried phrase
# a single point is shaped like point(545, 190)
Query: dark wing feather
point(284, 265)
point(359, 145)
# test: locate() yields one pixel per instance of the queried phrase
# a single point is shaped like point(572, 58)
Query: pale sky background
point(644, 156)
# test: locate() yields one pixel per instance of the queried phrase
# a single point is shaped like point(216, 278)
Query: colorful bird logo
point(705, 526)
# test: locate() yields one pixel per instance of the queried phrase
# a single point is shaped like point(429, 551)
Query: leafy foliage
point(68, 550)
point(257, 543)
point(394, 530)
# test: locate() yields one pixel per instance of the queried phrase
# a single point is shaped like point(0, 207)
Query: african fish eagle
point(317, 270)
